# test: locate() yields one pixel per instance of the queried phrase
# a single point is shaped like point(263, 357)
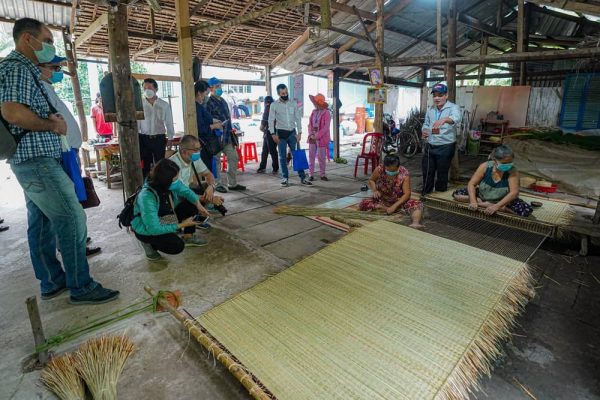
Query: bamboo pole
point(378, 123)
point(72, 66)
point(451, 76)
point(521, 38)
point(216, 349)
point(335, 105)
point(278, 6)
point(118, 47)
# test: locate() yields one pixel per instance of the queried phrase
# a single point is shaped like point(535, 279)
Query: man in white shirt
point(285, 124)
point(51, 74)
point(155, 128)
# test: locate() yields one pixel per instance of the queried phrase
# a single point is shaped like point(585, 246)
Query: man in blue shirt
point(53, 210)
point(439, 132)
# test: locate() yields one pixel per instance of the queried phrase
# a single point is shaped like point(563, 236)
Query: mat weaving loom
point(545, 220)
point(387, 312)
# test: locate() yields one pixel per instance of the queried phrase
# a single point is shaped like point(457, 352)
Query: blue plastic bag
point(71, 167)
point(299, 159)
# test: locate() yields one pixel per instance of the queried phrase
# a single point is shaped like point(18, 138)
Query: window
point(581, 102)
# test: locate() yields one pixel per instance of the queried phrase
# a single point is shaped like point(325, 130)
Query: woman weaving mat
point(390, 184)
point(495, 186)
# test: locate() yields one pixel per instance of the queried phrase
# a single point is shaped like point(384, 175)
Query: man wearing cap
point(439, 132)
point(156, 126)
point(53, 210)
point(269, 145)
point(219, 109)
point(51, 74)
point(286, 115)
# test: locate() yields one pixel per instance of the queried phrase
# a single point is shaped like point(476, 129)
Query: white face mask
point(149, 93)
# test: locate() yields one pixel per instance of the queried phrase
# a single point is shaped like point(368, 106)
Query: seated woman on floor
point(390, 185)
point(495, 186)
point(160, 212)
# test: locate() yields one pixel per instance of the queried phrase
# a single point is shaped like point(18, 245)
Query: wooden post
point(118, 47)
point(378, 125)
point(423, 103)
point(325, 14)
point(451, 78)
point(499, 16)
point(483, 51)
point(596, 219)
point(268, 80)
point(438, 33)
point(521, 38)
point(72, 66)
point(184, 41)
point(335, 105)
point(36, 326)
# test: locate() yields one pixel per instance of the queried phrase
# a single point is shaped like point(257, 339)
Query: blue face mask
point(57, 76)
point(504, 167)
point(195, 157)
point(219, 92)
point(391, 173)
point(46, 54)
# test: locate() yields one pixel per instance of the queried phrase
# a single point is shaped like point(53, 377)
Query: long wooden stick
point(201, 335)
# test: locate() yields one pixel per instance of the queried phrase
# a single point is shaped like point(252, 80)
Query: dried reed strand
point(329, 212)
point(61, 377)
point(527, 391)
point(100, 362)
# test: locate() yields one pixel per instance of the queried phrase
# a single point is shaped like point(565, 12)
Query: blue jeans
point(53, 212)
point(292, 142)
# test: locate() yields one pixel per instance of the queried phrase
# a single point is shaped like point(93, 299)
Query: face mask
point(391, 173)
point(219, 92)
point(285, 98)
point(195, 157)
point(149, 93)
point(56, 77)
point(505, 167)
point(46, 54)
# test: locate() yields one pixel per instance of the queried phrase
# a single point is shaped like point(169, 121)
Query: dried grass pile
point(62, 379)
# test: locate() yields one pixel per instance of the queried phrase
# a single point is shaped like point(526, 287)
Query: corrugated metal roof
point(48, 13)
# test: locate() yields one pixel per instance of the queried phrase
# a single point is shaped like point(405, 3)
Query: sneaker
point(195, 241)
point(221, 209)
point(90, 251)
point(151, 254)
point(312, 178)
point(261, 171)
point(237, 187)
point(221, 189)
point(306, 182)
point(284, 183)
point(97, 296)
point(54, 293)
point(324, 178)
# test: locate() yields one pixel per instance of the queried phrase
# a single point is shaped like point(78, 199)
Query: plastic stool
point(250, 153)
point(240, 164)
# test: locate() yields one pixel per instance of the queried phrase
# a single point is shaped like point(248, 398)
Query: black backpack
point(127, 215)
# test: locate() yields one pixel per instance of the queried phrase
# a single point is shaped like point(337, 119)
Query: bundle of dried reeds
point(100, 362)
point(61, 377)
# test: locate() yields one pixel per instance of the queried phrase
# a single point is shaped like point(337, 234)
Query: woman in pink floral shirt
point(318, 136)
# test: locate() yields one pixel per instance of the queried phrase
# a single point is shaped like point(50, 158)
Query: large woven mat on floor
point(387, 312)
point(551, 212)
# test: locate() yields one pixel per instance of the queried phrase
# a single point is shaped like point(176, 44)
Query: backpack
point(127, 215)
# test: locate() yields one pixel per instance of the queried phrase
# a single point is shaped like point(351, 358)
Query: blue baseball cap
point(440, 87)
point(57, 60)
point(214, 81)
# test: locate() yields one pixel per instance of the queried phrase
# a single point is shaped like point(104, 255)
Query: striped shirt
point(20, 83)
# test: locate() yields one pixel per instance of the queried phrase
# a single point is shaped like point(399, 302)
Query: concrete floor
point(555, 352)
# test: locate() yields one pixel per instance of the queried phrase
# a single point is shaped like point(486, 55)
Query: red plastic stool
point(240, 164)
point(250, 153)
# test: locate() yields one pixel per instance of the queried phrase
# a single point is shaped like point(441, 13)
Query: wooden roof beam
point(279, 6)
point(369, 16)
point(576, 6)
point(91, 30)
point(198, 6)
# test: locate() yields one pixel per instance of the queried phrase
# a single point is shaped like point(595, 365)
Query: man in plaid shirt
point(53, 209)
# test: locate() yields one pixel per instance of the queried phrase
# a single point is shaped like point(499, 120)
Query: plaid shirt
point(17, 86)
point(219, 109)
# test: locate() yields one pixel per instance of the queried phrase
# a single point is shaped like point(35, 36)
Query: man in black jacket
point(269, 145)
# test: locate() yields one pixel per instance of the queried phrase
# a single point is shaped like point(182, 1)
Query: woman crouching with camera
point(159, 214)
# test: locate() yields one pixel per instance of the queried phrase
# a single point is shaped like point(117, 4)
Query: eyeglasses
point(193, 149)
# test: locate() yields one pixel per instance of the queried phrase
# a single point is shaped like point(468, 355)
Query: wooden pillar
point(118, 46)
point(268, 80)
point(184, 42)
point(336, 108)
point(423, 105)
point(37, 328)
point(72, 66)
point(451, 78)
point(596, 218)
point(499, 16)
point(521, 38)
point(438, 32)
point(378, 125)
point(483, 51)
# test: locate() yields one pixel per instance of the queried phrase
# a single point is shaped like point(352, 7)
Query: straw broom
point(100, 362)
point(61, 378)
